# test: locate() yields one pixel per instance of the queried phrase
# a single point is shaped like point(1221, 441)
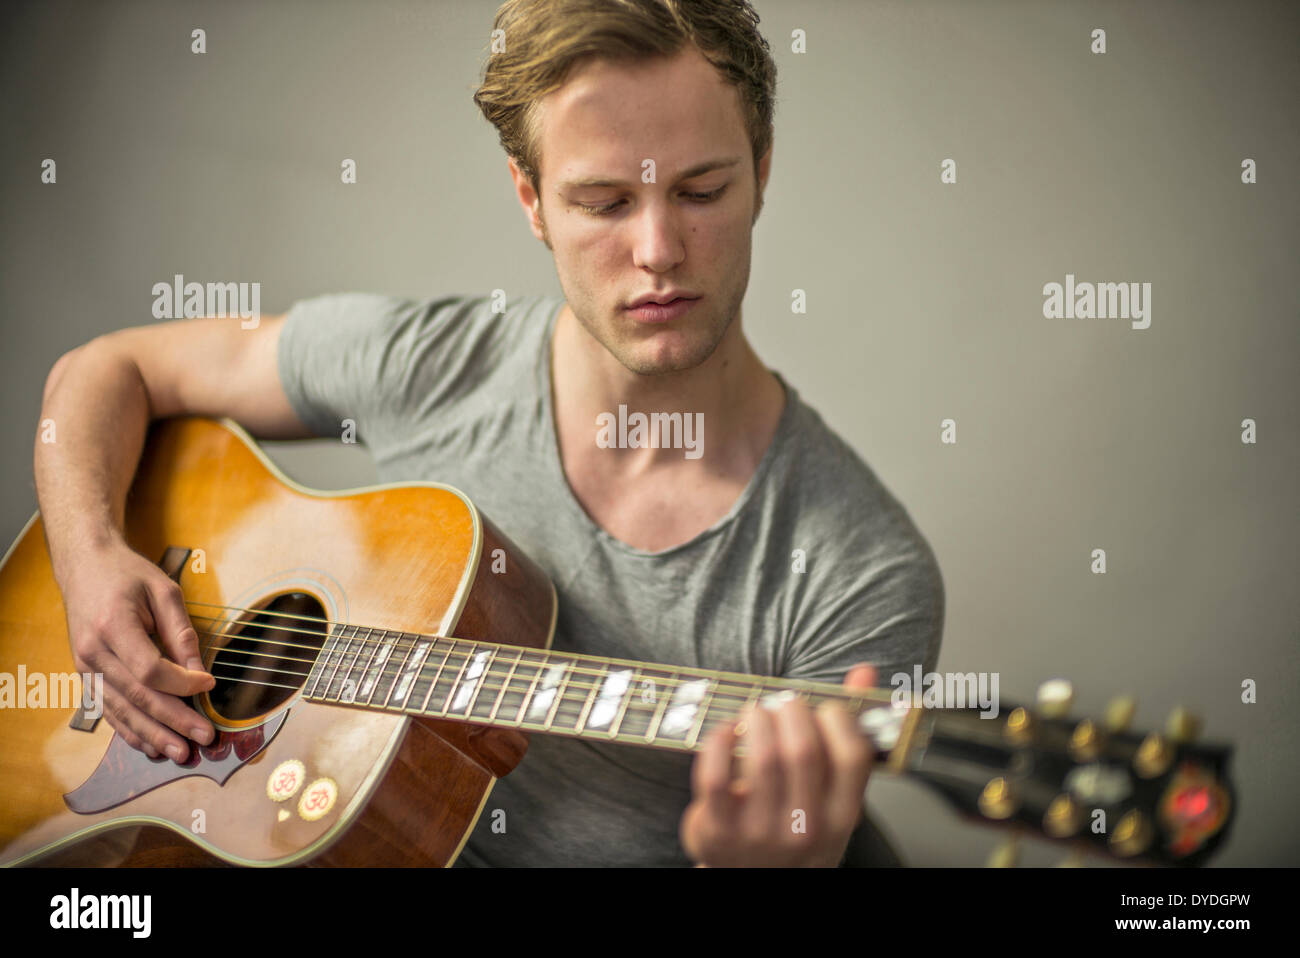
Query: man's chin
point(659, 362)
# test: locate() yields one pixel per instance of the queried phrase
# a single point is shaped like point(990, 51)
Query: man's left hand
point(799, 793)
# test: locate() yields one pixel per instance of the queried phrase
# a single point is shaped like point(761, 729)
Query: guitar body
point(288, 782)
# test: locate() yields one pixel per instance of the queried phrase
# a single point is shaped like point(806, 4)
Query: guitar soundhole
point(266, 657)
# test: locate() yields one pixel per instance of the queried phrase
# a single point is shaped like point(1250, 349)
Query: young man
point(639, 142)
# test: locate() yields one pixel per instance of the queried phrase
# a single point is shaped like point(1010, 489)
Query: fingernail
point(150, 750)
point(178, 753)
point(195, 664)
point(200, 735)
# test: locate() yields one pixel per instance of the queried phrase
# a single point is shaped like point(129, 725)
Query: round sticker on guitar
point(285, 780)
point(317, 799)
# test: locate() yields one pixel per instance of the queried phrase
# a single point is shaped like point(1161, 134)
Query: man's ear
point(528, 199)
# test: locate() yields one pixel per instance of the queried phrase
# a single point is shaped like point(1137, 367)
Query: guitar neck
point(561, 693)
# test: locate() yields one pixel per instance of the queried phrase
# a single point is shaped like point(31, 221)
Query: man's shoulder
point(873, 590)
point(376, 315)
point(390, 360)
point(841, 497)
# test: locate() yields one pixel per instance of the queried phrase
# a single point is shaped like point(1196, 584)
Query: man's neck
point(739, 399)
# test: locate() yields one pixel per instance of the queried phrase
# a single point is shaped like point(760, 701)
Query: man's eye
point(696, 197)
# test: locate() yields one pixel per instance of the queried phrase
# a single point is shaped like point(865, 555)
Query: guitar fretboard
point(598, 698)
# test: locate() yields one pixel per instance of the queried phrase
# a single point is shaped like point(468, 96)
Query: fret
point(455, 682)
point(528, 696)
point(567, 672)
point(505, 685)
point(403, 645)
point(482, 664)
point(650, 689)
point(682, 709)
point(451, 645)
point(406, 672)
point(612, 699)
point(660, 711)
point(591, 697)
point(539, 704)
point(626, 701)
point(350, 687)
point(375, 669)
point(718, 713)
point(332, 649)
point(354, 648)
point(699, 721)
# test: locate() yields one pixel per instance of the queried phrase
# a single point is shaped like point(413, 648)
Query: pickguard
point(125, 773)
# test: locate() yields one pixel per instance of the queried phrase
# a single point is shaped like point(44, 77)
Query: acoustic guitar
point(380, 657)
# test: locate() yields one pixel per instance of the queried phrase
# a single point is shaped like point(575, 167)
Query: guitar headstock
point(1145, 797)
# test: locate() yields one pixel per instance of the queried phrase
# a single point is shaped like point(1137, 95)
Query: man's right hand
point(102, 397)
point(115, 598)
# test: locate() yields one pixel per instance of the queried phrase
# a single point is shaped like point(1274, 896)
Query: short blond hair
point(545, 39)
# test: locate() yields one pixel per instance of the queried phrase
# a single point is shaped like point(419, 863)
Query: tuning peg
point(1019, 727)
point(1085, 741)
point(1153, 756)
point(1132, 835)
point(1182, 725)
point(1006, 854)
point(998, 800)
point(1119, 713)
point(1055, 697)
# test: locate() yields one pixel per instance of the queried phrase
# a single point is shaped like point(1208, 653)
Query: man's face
point(616, 242)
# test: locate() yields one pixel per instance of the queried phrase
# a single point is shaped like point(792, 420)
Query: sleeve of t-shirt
point(374, 361)
point(882, 605)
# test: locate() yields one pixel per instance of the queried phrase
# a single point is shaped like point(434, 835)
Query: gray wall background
point(925, 300)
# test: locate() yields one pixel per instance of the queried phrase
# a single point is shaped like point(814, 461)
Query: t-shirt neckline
point(775, 448)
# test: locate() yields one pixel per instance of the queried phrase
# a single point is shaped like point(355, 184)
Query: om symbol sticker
point(285, 780)
point(317, 799)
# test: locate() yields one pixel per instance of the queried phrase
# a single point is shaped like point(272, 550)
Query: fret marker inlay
point(542, 700)
point(681, 713)
point(469, 681)
point(611, 694)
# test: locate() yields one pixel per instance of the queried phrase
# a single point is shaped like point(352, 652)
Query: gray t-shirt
point(446, 390)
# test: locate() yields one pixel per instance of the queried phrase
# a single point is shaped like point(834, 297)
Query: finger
point(138, 730)
point(804, 766)
point(851, 759)
point(711, 771)
point(861, 676)
point(762, 763)
point(710, 818)
point(163, 720)
point(179, 638)
point(136, 650)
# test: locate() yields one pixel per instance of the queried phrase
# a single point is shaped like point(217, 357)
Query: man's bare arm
point(101, 398)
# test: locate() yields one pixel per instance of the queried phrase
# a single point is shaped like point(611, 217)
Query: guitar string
point(701, 673)
point(369, 640)
point(720, 692)
point(360, 642)
point(720, 689)
point(567, 716)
